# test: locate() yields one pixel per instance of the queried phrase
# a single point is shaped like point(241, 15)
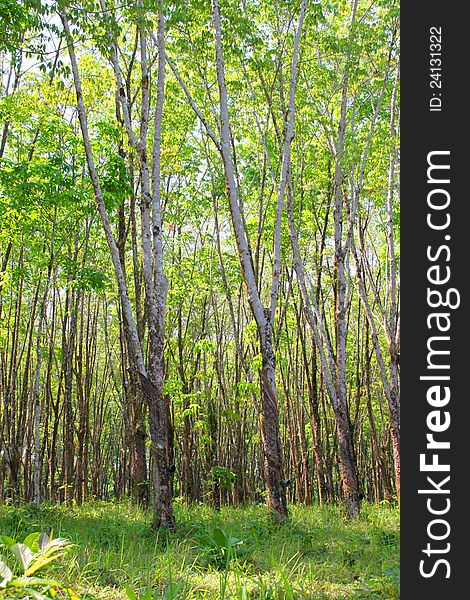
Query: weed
point(18, 576)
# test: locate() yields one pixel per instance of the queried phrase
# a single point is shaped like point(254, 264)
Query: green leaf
point(36, 595)
point(42, 560)
point(43, 541)
point(56, 544)
point(35, 581)
point(32, 541)
point(7, 541)
point(219, 537)
point(5, 574)
point(173, 590)
point(22, 554)
point(231, 414)
point(129, 593)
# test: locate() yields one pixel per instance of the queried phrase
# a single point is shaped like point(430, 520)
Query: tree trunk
point(273, 469)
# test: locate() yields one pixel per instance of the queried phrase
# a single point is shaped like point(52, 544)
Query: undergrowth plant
point(221, 548)
point(23, 560)
point(173, 592)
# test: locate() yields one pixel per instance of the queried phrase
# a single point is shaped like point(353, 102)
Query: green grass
point(318, 554)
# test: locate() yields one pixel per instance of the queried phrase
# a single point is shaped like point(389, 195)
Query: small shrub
point(222, 476)
point(220, 547)
point(18, 572)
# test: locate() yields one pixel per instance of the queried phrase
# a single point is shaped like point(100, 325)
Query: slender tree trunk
point(264, 316)
point(163, 514)
point(36, 387)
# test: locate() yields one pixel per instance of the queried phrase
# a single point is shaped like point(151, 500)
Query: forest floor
point(318, 554)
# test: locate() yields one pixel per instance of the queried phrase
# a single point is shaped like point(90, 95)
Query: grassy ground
point(318, 554)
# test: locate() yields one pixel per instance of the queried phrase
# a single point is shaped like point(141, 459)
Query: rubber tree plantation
point(199, 298)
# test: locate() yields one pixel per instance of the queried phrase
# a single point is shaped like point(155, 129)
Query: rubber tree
point(151, 375)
